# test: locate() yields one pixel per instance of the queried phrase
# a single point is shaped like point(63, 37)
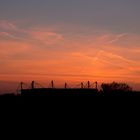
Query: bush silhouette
point(115, 87)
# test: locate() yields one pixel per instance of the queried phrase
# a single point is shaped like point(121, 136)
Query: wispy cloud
point(51, 51)
point(6, 25)
point(46, 37)
point(118, 37)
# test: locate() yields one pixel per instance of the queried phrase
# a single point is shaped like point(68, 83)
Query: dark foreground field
point(43, 92)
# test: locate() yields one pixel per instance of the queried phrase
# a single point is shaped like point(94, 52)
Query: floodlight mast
point(33, 84)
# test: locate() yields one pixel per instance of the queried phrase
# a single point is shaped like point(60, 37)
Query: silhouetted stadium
point(84, 91)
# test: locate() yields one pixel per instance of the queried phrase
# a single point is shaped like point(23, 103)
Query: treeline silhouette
point(107, 89)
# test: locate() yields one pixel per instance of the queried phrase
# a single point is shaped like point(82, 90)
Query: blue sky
point(115, 15)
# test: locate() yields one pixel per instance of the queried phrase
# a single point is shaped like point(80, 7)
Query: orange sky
point(67, 53)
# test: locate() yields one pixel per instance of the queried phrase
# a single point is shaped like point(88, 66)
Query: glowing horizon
point(44, 51)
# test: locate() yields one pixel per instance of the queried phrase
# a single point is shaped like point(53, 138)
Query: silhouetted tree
point(115, 87)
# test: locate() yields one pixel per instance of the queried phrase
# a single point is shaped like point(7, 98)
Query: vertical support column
point(88, 84)
point(52, 84)
point(21, 85)
point(96, 84)
point(82, 85)
point(65, 85)
point(33, 84)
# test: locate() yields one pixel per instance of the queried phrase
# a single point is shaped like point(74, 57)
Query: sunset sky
point(69, 41)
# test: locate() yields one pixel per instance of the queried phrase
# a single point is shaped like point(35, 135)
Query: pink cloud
point(6, 25)
point(47, 37)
